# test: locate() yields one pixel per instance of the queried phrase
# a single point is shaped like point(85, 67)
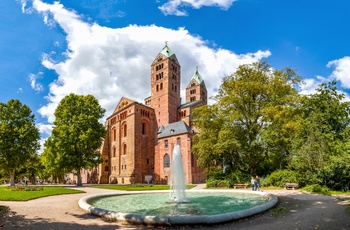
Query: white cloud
point(33, 82)
point(172, 7)
point(310, 85)
point(111, 63)
point(24, 7)
point(342, 71)
point(44, 129)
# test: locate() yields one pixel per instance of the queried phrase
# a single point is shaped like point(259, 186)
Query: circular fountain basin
point(204, 206)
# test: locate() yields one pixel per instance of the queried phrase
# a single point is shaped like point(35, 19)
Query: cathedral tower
point(165, 82)
point(196, 89)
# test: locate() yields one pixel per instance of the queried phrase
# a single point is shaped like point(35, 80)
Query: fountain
point(177, 178)
point(175, 207)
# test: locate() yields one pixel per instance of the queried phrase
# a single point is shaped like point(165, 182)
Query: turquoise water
point(155, 204)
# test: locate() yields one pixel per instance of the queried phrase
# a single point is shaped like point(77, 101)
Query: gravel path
point(295, 210)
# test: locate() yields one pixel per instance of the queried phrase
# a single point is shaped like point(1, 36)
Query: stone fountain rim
point(131, 218)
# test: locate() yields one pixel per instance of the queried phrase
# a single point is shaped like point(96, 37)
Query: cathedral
point(140, 137)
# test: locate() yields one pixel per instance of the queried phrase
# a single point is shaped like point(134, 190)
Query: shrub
point(214, 183)
point(316, 188)
point(280, 177)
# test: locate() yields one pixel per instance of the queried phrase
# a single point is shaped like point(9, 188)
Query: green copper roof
point(167, 51)
point(197, 77)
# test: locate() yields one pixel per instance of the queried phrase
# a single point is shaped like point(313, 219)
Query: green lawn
point(137, 187)
point(7, 195)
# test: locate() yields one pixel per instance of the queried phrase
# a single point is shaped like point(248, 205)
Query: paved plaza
point(295, 210)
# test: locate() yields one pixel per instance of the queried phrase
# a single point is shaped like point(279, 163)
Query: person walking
point(252, 181)
point(257, 183)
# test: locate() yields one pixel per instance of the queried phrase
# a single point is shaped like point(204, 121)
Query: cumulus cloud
point(111, 63)
point(174, 7)
point(342, 71)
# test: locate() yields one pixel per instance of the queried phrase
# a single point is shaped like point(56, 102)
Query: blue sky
point(49, 49)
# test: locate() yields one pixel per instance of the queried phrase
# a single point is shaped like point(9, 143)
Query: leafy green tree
point(324, 131)
point(76, 136)
point(236, 132)
point(54, 167)
point(19, 137)
point(209, 123)
point(32, 169)
point(336, 174)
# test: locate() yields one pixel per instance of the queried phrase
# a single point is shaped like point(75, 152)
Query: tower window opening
point(143, 128)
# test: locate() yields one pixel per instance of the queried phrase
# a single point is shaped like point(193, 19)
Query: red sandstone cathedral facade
point(141, 136)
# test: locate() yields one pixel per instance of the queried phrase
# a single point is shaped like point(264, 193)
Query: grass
point(337, 193)
point(11, 194)
point(137, 187)
point(323, 190)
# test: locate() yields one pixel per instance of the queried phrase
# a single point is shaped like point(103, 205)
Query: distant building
point(141, 137)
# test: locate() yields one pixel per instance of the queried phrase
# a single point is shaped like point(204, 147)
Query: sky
point(49, 49)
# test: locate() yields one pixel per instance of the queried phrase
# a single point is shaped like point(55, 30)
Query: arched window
point(125, 132)
point(124, 149)
point(114, 134)
point(161, 86)
point(157, 88)
point(106, 168)
point(114, 151)
point(166, 144)
point(166, 161)
point(178, 141)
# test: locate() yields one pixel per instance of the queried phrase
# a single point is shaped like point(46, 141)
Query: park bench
point(240, 186)
point(290, 185)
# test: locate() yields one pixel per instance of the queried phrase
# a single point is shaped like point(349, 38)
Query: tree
point(324, 131)
point(248, 104)
point(76, 136)
point(32, 169)
point(19, 137)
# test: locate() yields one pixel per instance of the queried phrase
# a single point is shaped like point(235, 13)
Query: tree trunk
point(79, 183)
point(12, 178)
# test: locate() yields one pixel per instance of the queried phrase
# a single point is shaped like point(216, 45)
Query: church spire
point(166, 51)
